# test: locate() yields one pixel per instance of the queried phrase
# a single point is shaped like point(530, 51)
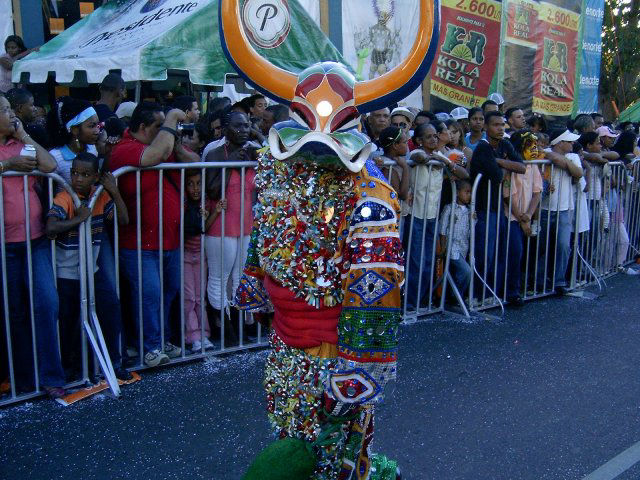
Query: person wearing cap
point(498, 99)
point(556, 216)
point(125, 110)
point(401, 117)
point(112, 92)
point(490, 159)
point(607, 138)
point(461, 115)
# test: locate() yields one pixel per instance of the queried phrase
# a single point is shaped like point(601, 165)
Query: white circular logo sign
point(267, 22)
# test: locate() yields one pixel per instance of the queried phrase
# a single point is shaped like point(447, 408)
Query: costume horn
point(280, 85)
point(272, 81)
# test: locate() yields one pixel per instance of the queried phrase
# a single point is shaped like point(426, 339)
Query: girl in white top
point(78, 131)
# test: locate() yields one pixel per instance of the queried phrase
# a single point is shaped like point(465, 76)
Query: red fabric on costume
point(299, 324)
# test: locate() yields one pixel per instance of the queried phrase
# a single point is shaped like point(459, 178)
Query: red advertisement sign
point(467, 51)
point(522, 22)
point(555, 60)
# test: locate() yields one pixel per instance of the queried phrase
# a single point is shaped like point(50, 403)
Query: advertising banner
point(6, 19)
point(467, 52)
point(521, 23)
point(590, 51)
point(555, 61)
point(146, 39)
point(377, 35)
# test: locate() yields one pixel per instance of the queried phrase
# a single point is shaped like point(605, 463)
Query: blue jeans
point(419, 258)
point(560, 223)
point(512, 262)
point(461, 273)
point(107, 302)
point(45, 313)
point(152, 339)
point(107, 309)
point(485, 220)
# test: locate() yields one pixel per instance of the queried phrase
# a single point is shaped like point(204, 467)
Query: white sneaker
point(171, 350)
point(196, 346)
point(207, 344)
point(155, 358)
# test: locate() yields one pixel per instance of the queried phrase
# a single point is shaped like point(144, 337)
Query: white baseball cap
point(605, 131)
point(405, 112)
point(497, 97)
point(565, 136)
point(460, 113)
point(126, 109)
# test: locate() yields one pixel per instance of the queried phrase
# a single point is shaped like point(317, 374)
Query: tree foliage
point(620, 68)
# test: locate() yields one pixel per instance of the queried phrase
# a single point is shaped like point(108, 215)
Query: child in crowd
point(521, 200)
point(63, 221)
point(394, 142)
point(460, 242)
point(193, 215)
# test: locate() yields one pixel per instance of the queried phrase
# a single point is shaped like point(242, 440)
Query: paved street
point(550, 392)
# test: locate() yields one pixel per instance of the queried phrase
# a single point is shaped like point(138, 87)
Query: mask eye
point(343, 117)
point(305, 114)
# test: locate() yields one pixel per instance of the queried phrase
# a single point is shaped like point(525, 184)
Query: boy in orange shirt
point(63, 221)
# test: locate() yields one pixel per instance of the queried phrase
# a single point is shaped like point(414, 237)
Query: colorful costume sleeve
point(251, 295)
point(373, 273)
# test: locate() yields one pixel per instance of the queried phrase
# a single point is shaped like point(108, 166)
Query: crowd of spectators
point(420, 152)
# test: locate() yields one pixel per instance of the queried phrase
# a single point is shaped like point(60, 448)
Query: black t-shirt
point(484, 162)
point(103, 111)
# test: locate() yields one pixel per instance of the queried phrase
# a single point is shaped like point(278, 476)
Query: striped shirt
point(67, 254)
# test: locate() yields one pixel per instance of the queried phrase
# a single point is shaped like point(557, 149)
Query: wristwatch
point(170, 130)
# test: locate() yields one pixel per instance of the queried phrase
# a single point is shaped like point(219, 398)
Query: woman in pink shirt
point(45, 299)
point(227, 239)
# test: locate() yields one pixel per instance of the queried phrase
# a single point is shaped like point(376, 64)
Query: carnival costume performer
point(325, 256)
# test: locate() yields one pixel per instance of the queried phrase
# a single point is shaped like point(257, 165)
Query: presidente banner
point(591, 48)
point(555, 61)
point(467, 52)
point(6, 21)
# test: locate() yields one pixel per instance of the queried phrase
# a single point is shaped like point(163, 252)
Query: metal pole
point(5, 294)
point(27, 217)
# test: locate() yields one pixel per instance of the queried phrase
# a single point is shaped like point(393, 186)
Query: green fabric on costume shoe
point(286, 459)
point(382, 468)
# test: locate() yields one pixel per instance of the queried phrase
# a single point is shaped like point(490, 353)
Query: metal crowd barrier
point(231, 319)
point(90, 328)
point(595, 255)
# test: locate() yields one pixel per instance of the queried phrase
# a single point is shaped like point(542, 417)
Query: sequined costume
point(325, 256)
point(326, 239)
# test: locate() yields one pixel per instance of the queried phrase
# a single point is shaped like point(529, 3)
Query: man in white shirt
point(557, 212)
